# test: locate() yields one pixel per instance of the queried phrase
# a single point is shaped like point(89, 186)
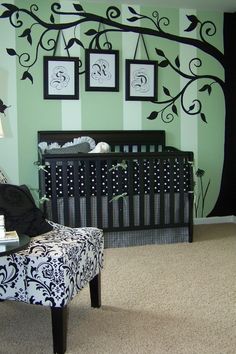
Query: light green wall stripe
point(100, 110)
point(71, 117)
point(166, 77)
point(9, 145)
point(132, 110)
point(188, 124)
point(34, 113)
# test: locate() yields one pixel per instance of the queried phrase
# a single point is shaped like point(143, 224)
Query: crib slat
point(163, 208)
point(151, 192)
point(77, 208)
point(130, 174)
point(65, 192)
point(54, 206)
point(87, 192)
point(99, 191)
point(190, 197)
point(120, 200)
point(141, 192)
point(171, 175)
point(109, 194)
point(181, 189)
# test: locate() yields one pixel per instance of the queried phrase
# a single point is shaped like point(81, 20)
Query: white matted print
point(61, 78)
point(141, 80)
point(102, 70)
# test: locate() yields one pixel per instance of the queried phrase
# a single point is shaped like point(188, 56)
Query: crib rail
point(118, 140)
point(118, 191)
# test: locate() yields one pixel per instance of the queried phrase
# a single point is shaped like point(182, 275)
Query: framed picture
point(61, 78)
point(101, 70)
point(141, 80)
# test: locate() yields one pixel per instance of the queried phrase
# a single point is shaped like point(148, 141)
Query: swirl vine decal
point(153, 25)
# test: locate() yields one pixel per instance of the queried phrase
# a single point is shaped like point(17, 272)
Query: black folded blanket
point(20, 211)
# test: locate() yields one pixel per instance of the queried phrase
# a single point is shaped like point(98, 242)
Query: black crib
point(139, 193)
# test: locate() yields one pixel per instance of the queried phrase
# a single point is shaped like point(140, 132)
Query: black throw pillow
point(20, 211)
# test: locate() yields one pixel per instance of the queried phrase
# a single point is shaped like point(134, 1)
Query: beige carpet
point(158, 299)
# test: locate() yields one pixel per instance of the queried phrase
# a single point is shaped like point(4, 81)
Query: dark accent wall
point(226, 203)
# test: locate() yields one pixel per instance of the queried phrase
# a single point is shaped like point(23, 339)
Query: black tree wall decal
point(155, 27)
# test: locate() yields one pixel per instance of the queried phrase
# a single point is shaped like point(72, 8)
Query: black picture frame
point(141, 80)
point(61, 78)
point(101, 70)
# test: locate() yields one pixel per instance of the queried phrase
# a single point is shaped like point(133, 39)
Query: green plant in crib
point(43, 199)
point(123, 165)
point(40, 167)
point(200, 198)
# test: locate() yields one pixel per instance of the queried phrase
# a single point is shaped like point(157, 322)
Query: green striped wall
point(29, 112)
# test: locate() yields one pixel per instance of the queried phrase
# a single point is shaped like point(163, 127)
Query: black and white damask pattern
point(54, 267)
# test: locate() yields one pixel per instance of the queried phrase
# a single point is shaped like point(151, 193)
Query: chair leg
point(95, 291)
point(59, 329)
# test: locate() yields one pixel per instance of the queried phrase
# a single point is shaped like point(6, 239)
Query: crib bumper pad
point(54, 267)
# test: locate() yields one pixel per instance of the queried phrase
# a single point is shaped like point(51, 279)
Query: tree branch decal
point(153, 26)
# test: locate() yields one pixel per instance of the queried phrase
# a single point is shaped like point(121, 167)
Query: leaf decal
point(132, 10)
point(27, 75)
point(70, 43)
point(160, 52)
point(194, 21)
point(25, 33)
point(11, 51)
point(91, 32)
point(192, 18)
point(191, 107)
point(78, 7)
point(73, 41)
point(163, 63)
point(29, 39)
point(52, 18)
point(177, 63)
point(166, 91)
point(174, 109)
point(206, 88)
point(77, 41)
point(133, 19)
point(10, 7)
point(203, 117)
point(6, 14)
point(153, 115)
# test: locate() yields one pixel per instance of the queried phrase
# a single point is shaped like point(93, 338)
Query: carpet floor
point(156, 299)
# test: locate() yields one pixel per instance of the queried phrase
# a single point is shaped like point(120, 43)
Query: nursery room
point(117, 176)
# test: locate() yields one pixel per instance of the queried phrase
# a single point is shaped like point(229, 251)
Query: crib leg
point(59, 329)
point(95, 291)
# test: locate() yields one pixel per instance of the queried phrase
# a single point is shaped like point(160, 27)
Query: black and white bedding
point(83, 175)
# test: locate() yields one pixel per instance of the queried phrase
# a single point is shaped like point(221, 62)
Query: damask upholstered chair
point(56, 265)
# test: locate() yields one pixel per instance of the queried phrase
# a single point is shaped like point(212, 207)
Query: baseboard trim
point(215, 220)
